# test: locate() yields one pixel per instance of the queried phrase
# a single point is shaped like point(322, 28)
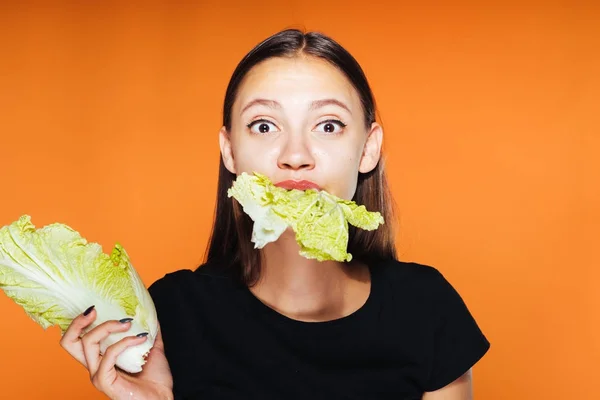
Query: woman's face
point(300, 119)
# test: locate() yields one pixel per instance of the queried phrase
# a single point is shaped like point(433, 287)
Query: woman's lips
point(299, 185)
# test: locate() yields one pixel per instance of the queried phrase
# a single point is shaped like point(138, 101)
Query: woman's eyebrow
point(262, 102)
point(313, 105)
point(325, 102)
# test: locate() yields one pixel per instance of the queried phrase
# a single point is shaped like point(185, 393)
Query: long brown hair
point(230, 245)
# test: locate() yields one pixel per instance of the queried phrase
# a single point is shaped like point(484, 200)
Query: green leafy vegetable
point(55, 274)
point(319, 219)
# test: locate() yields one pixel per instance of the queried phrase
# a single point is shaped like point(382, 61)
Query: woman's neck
point(309, 290)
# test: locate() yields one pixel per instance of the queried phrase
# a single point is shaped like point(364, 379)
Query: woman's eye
point(330, 126)
point(262, 126)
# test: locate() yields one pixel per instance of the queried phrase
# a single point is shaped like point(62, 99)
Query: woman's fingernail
point(125, 320)
point(142, 334)
point(89, 310)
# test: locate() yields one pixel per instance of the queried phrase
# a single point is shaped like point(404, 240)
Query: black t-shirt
point(414, 334)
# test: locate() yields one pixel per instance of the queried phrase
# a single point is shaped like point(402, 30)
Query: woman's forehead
point(296, 80)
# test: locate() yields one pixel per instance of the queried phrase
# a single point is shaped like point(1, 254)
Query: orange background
point(109, 116)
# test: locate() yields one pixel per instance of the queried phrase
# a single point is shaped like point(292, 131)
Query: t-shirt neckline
point(273, 316)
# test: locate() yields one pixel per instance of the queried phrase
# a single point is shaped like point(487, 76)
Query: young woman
point(268, 323)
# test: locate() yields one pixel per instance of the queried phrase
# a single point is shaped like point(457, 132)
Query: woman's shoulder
point(423, 292)
point(443, 316)
point(204, 277)
point(411, 276)
point(424, 287)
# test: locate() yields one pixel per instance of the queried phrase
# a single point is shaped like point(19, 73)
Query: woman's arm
point(460, 389)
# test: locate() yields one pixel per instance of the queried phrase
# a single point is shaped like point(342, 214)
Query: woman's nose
point(296, 154)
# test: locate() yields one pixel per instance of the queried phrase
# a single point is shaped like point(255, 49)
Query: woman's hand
point(155, 380)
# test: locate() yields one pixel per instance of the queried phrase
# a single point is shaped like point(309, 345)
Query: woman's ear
point(372, 149)
point(226, 151)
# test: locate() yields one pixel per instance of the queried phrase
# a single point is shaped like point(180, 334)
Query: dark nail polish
point(125, 320)
point(89, 310)
point(142, 334)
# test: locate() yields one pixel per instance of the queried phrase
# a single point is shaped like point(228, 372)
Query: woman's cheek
point(254, 160)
